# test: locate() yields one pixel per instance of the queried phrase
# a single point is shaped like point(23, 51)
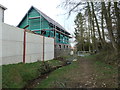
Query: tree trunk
point(91, 22)
point(94, 37)
point(117, 13)
point(102, 21)
point(109, 24)
point(101, 41)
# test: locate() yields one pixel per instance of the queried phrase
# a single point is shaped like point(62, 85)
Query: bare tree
point(107, 16)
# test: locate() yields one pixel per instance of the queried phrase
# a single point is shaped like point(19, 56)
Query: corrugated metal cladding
point(41, 23)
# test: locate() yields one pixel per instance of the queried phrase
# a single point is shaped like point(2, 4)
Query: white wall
point(1, 14)
point(12, 46)
point(48, 48)
point(34, 47)
point(0, 41)
point(2, 8)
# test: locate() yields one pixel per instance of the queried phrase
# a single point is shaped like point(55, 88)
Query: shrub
point(45, 68)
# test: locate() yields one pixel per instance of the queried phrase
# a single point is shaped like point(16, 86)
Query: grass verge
point(57, 75)
point(18, 75)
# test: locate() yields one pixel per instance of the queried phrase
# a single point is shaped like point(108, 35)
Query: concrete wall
point(34, 47)
point(1, 20)
point(12, 46)
point(2, 8)
point(0, 39)
point(48, 48)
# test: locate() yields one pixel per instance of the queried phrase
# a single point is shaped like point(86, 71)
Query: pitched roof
point(47, 18)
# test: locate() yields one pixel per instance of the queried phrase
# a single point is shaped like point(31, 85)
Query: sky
point(16, 9)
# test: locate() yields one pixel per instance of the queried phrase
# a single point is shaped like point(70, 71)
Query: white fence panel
point(34, 47)
point(49, 48)
point(12, 44)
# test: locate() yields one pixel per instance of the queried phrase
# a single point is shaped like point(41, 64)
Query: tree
point(96, 20)
point(117, 13)
point(91, 26)
point(107, 16)
point(79, 30)
point(101, 25)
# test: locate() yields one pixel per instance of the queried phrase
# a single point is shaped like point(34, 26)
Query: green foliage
point(79, 29)
point(82, 33)
point(45, 68)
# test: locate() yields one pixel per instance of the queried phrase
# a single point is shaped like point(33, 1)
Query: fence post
point(24, 43)
point(24, 46)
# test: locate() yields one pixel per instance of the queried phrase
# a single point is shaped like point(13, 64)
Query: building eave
point(3, 7)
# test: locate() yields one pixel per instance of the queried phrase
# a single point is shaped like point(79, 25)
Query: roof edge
point(51, 19)
point(24, 16)
point(3, 7)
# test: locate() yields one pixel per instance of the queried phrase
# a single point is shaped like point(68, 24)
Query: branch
point(74, 8)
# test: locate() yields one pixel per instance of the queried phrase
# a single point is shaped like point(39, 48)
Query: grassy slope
point(17, 75)
point(57, 76)
point(70, 76)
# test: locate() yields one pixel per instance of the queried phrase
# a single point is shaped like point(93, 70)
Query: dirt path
point(83, 76)
point(87, 75)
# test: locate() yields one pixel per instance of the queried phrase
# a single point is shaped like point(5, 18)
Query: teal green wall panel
point(34, 24)
point(41, 24)
point(24, 23)
point(33, 13)
point(52, 34)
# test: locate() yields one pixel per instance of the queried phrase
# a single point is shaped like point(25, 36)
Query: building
point(40, 23)
point(20, 45)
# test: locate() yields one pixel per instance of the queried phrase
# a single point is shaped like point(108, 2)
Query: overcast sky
point(16, 9)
